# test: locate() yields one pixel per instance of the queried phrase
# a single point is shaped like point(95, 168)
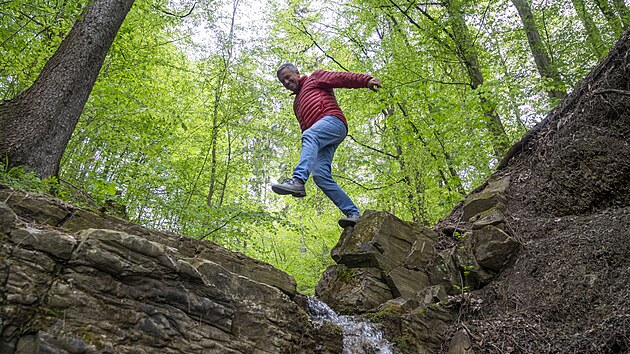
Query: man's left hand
point(373, 84)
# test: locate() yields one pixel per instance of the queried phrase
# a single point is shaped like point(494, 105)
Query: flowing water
point(359, 335)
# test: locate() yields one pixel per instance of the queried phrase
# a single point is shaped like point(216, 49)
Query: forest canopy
point(187, 126)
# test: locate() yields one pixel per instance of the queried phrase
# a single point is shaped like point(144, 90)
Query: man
point(323, 127)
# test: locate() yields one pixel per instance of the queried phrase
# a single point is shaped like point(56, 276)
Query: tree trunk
point(35, 127)
point(593, 36)
point(623, 11)
point(216, 125)
point(613, 20)
point(468, 56)
point(541, 57)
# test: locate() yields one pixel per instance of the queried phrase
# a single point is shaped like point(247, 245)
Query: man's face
point(289, 79)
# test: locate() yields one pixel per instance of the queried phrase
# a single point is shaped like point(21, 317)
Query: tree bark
point(35, 127)
point(541, 57)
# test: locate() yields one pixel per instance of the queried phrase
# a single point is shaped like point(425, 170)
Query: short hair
point(289, 66)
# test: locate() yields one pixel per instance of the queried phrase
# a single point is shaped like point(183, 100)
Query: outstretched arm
point(330, 79)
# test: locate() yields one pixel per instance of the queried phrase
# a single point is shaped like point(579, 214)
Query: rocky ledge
point(75, 281)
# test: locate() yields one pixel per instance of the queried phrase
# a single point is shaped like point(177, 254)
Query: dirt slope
point(569, 206)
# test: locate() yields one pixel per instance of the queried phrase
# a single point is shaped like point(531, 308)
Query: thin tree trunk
point(227, 167)
point(593, 36)
point(35, 127)
point(541, 57)
point(468, 56)
point(227, 60)
point(613, 20)
point(623, 11)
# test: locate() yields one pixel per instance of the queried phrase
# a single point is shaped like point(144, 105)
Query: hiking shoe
point(349, 221)
point(292, 186)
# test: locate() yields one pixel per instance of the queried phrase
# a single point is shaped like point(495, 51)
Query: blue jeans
point(319, 143)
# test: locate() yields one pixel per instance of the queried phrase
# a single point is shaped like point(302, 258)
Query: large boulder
point(353, 290)
point(398, 253)
point(380, 240)
point(491, 197)
point(494, 248)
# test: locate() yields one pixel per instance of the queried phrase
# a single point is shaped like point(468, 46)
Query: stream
point(359, 335)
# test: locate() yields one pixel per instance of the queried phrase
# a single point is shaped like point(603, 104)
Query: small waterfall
point(359, 335)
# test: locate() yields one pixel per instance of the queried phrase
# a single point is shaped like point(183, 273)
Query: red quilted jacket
point(316, 98)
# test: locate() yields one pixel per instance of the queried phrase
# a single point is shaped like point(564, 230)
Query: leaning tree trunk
point(35, 127)
point(593, 37)
point(541, 57)
point(613, 20)
point(468, 56)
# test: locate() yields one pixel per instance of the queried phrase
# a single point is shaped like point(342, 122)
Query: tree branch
point(80, 190)
point(431, 18)
point(422, 79)
point(372, 148)
point(31, 18)
point(305, 31)
point(176, 15)
point(367, 188)
point(222, 225)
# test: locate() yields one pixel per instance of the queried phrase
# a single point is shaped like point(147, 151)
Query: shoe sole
point(279, 190)
point(346, 223)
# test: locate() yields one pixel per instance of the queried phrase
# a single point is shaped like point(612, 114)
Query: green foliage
point(467, 270)
point(19, 178)
point(462, 289)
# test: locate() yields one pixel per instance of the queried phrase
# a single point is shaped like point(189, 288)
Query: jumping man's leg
point(324, 132)
point(319, 143)
point(322, 175)
point(323, 179)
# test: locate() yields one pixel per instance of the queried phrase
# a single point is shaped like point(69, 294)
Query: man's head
point(289, 76)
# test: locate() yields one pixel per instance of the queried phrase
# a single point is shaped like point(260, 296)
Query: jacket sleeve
point(329, 79)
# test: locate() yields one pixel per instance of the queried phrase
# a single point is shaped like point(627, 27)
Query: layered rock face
point(72, 281)
point(401, 274)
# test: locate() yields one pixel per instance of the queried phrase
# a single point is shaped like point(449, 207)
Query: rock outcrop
point(397, 273)
point(73, 281)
